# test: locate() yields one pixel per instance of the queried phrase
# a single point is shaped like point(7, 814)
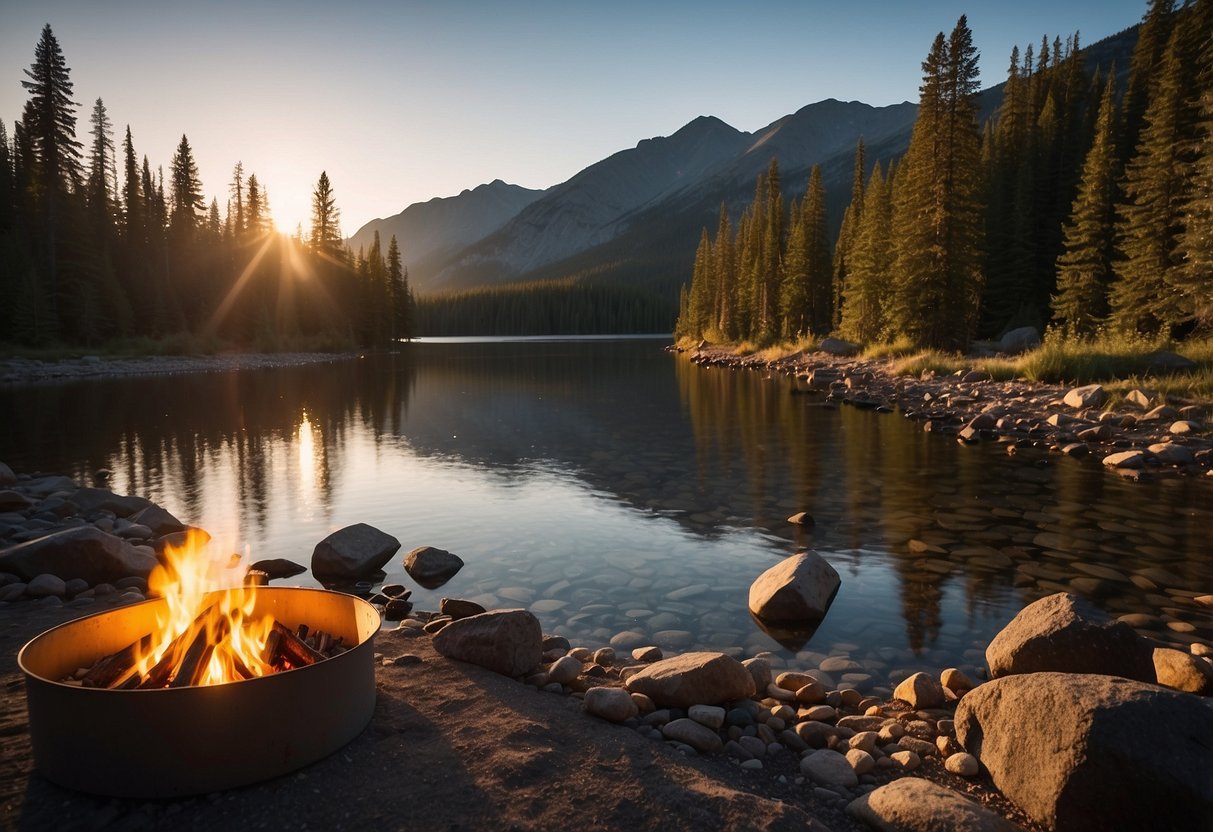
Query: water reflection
point(600, 483)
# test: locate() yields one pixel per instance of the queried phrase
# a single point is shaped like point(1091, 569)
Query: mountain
point(435, 231)
point(636, 216)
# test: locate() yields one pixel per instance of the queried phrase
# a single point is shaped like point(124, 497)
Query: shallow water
point(610, 487)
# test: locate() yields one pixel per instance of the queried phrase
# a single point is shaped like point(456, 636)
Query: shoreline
point(21, 371)
point(1139, 437)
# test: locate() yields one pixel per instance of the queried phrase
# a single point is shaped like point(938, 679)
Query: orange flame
point(208, 629)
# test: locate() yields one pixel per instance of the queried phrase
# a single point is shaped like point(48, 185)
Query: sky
point(404, 101)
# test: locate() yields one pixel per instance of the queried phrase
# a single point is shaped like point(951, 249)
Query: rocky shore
point(26, 370)
point(1083, 724)
point(1141, 436)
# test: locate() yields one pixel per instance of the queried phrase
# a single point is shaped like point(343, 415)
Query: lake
point(612, 487)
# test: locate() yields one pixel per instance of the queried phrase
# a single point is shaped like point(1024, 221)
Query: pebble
point(751, 765)
point(908, 760)
point(45, 585)
point(610, 703)
point(564, 670)
point(829, 768)
point(963, 764)
point(709, 715)
point(861, 761)
point(690, 732)
point(647, 654)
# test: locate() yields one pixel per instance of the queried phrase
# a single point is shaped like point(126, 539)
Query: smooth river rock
point(1092, 752)
point(509, 642)
point(611, 704)
point(1064, 633)
point(797, 589)
point(353, 552)
point(431, 567)
point(1179, 670)
point(693, 679)
point(83, 552)
point(698, 736)
point(912, 804)
point(829, 768)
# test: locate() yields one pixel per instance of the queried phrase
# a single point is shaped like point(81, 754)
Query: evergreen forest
point(96, 246)
point(1083, 205)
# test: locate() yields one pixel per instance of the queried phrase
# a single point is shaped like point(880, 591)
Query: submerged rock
point(431, 567)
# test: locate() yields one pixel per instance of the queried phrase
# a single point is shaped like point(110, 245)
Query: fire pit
point(195, 738)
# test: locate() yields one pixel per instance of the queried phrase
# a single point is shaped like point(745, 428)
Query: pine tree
point(402, 295)
point(103, 173)
point(1084, 270)
point(254, 219)
point(8, 201)
point(818, 260)
point(236, 189)
point(724, 264)
point(1144, 297)
point(326, 219)
point(132, 200)
point(869, 286)
point(1195, 278)
point(937, 206)
point(767, 265)
point(1152, 40)
point(851, 218)
point(702, 289)
point(187, 201)
point(795, 307)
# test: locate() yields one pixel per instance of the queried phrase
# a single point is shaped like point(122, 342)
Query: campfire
point(208, 634)
point(149, 700)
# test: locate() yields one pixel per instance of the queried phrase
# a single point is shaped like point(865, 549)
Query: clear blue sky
point(404, 101)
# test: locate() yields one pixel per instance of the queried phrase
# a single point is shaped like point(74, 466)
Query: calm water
point(610, 487)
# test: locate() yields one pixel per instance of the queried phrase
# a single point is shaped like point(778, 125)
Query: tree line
point(565, 307)
point(95, 245)
point(1084, 203)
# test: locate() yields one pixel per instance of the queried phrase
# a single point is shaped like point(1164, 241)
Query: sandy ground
point(451, 746)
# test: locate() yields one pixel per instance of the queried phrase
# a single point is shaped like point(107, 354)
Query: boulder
point(797, 589)
point(1161, 362)
point(921, 690)
point(431, 567)
point(509, 642)
point(836, 346)
point(353, 552)
point(693, 679)
point(1066, 634)
point(1019, 340)
point(1177, 669)
point(45, 486)
point(612, 704)
point(1089, 395)
point(459, 608)
point(1125, 459)
point(912, 804)
point(7, 477)
point(1090, 752)
point(83, 552)
point(14, 501)
point(158, 520)
point(1169, 453)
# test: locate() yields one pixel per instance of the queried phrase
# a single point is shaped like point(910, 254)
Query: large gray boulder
point(693, 679)
point(509, 642)
point(83, 552)
point(912, 804)
point(1064, 633)
point(1088, 752)
point(1019, 340)
point(431, 567)
point(353, 552)
point(797, 589)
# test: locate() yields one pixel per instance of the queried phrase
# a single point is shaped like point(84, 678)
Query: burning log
point(116, 667)
point(162, 672)
point(292, 648)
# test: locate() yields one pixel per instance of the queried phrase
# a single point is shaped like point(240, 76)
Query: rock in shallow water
point(797, 589)
point(353, 552)
point(431, 567)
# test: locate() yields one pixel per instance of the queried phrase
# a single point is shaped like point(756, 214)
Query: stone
point(797, 589)
point(836, 346)
point(42, 586)
point(1165, 361)
point(1019, 340)
point(1183, 427)
point(962, 763)
point(693, 679)
point(1064, 633)
point(1089, 395)
point(83, 552)
point(1169, 453)
point(431, 567)
point(89, 500)
point(860, 761)
point(1174, 669)
point(907, 760)
point(604, 656)
point(829, 768)
point(611, 704)
point(7, 477)
point(688, 731)
point(279, 568)
point(864, 741)
point(760, 671)
point(815, 734)
point(353, 552)
point(459, 608)
point(955, 680)
point(912, 804)
point(647, 654)
point(921, 691)
point(12, 592)
point(802, 518)
point(159, 520)
point(1126, 459)
point(1162, 413)
point(644, 705)
point(564, 670)
point(812, 692)
point(509, 642)
point(710, 715)
point(1113, 753)
point(14, 501)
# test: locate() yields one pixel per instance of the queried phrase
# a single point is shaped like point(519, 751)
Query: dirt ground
point(450, 747)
